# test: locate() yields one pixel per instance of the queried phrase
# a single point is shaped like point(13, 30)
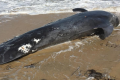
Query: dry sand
point(67, 61)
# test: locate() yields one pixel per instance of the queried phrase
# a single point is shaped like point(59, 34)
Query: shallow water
point(67, 61)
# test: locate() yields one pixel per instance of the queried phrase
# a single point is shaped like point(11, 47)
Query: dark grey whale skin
point(76, 26)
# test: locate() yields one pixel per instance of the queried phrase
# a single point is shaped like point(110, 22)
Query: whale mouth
point(117, 22)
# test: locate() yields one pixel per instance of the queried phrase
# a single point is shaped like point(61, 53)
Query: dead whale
point(87, 23)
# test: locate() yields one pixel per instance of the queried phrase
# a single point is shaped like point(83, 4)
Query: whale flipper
point(79, 9)
point(106, 32)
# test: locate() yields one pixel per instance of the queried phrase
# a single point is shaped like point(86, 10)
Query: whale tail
point(79, 9)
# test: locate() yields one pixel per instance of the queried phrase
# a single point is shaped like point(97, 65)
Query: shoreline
point(110, 9)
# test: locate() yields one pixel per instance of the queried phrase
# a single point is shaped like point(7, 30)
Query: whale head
point(114, 21)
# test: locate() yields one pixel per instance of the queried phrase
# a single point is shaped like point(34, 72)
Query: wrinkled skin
point(88, 23)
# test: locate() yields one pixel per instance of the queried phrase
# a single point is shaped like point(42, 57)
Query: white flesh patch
point(34, 50)
point(90, 78)
point(36, 40)
point(25, 48)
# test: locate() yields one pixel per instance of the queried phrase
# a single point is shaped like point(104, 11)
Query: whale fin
point(104, 32)
point(79, 9)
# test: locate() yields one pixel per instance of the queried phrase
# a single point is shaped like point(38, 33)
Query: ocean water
point(34, 7)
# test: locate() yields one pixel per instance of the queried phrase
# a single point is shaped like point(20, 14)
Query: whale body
point(88, 23)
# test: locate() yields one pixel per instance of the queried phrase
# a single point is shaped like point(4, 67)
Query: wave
point(34, 7)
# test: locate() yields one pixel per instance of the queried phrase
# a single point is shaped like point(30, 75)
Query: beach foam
point(34, 7)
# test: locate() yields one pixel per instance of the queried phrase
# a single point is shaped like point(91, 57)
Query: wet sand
point(66, 61)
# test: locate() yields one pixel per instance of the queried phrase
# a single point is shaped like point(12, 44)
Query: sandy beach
point(67, 61)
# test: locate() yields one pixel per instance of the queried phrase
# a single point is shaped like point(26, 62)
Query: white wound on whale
point(25, 48)
point(36, 40)
point(34, 50)
point(93, 33)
